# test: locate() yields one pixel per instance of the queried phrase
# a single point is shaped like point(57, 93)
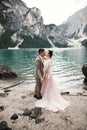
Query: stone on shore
point(33, 113)
point(3, 94)
point(6, 72)
point(1, 108)
point(65, 93)
point(4, 126)
point(39, 120)
point(14, 117)
point(84, 69)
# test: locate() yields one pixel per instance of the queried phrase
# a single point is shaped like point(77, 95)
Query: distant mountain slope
point(20, 23)
point(76, 26)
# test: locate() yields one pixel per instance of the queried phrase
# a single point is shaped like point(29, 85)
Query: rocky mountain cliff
point(76, 27)
point(20, 23)
point(23, 27)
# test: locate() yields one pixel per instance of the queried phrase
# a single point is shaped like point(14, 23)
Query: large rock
point(14, 117)
point(7, 72)
point(84, 70)
point(33, 113)
point(1, 30)
point(1, 108)
point(4, 126)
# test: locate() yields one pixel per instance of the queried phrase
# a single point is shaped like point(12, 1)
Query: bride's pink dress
point(51, 98)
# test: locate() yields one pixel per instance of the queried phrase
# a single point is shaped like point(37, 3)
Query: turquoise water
point(66, 65)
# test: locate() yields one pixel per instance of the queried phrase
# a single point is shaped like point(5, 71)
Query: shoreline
point(20, 97)
point(31, 85)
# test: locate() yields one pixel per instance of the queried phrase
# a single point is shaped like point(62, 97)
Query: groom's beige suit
point(38, 75)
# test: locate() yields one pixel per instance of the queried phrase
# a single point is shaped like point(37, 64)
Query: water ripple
point(66, 65)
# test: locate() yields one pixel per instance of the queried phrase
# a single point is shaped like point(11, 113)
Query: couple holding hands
point(45, 88)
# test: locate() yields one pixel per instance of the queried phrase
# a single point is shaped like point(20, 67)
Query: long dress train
point(51, 98)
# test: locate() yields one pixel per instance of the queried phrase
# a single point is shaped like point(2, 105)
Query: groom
point(39, 73)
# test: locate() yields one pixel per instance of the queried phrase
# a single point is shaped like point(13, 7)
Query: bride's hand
point(41, 80)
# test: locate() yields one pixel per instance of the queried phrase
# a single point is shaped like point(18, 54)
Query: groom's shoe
point(39, 97)
point(35, 96)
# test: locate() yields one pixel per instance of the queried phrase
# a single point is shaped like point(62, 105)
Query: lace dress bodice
point(47, 68)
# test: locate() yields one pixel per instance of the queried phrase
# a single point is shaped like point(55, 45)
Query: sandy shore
point(21, 97)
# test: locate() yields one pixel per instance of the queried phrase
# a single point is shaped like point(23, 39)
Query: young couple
point(45, 88)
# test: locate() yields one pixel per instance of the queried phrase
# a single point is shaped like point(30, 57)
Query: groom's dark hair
point(41, 50)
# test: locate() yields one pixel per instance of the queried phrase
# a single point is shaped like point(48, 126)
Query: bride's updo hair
point(50, 53)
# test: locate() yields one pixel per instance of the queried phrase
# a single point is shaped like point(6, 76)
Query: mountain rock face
point(23, 27)
point(76, 26)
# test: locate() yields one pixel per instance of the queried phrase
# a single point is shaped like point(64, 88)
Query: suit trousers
point(38, 87)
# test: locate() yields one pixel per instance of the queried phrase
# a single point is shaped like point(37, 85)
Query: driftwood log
point(12, 85)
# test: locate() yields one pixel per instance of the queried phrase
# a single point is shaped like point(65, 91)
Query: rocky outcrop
point(3, 95)
point(53, 34)
point(4, 126)
point(84, 42)
point(34, 113)
point(84, 70)
point(14, 117)
point(2, 30)
point(76, 27)
point(1, 108)
point(20, 23)
point(7, 72)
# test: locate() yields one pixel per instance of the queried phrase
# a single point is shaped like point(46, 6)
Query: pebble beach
point(15, 99)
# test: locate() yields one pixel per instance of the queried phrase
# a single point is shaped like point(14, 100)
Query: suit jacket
point(39, 68)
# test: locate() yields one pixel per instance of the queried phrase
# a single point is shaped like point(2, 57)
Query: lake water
point(66, 65)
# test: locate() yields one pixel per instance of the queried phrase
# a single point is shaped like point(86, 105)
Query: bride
point(51, 98)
